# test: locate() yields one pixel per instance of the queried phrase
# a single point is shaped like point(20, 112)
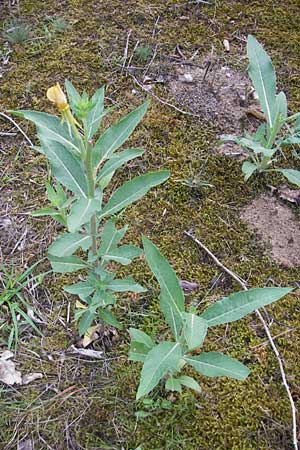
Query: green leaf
point(85, 321)
point(171, 298)
point(263, 77)
point(51, 129)
point(66, 168)
point(138, 351)
point(214, 364)
point(81, 212)
point(242, 303)
point(107, 316)
point(141, 337)
point(123, 255)
point(293, 176)
point(281, 105)
point(248, 168)
point(172, 384)
point(83, 289)
point(132, 191)
point(161, 359)
point(125, 285)
point(115, 163)
point(102, 298)
point(189, 382)
point(66, 263)
point(194, 330)
point(116, 135)
point(68, 243)
point(256, 147)
point(73, 95)
point(291, 140)
point(110, 237)
point(95, 115)
point(49, 212)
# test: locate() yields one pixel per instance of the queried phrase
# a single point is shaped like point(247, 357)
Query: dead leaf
point(188, 286)
point(8, 373)
point(290, 195)
point(28, 378)
point(85, 352)
point(91, 335)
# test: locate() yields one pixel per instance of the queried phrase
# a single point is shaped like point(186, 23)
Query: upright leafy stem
point(83, 164)
point(167, 359)
point(263, 146)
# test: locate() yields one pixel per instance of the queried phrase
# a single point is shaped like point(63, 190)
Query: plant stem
point(91, 188)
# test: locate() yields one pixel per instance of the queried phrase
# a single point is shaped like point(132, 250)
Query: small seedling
point(17, 32)
point(264, 146)
point(83, 168)
point(167, 359)
point(58, 24)
point(14, 309)
point(143, 53)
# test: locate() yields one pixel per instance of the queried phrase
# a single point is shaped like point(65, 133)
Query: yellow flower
point(56, 95)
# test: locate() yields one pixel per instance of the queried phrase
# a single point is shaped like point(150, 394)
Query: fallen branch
point(243, 285)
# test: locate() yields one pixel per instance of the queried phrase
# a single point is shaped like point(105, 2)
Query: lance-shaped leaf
point(108, 317)
point(248, 169)
point(103, 298)
point(171, 297)
point(66, 263)
point(94, 116)
point(214, 364)
point(161, 359)
point(189, 382)
point(133, 190)
point(115, 163)
point(81, 212)
point(83, 289)
point(140, 345)
point(138, 351)
point(194, 330)
point(49, 212)
point(292, 175)
point(85, 321)
point(173, 384)
point(68, 243)
point(263, 77)
point(256, 147)
point(111, 236)
point(125, 285)
point(66, 168)
point(142, 337)
point(73, 95)
point(50, 128)
point(242, 303)
point(116, 135)
point(123, 255)
point(281, 105)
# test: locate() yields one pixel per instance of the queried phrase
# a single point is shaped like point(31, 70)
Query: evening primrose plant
point(264, 146)
point(82, 165)
point(167, 359)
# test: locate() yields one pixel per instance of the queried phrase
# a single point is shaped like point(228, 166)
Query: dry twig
point(18, 127)
point(243, 285)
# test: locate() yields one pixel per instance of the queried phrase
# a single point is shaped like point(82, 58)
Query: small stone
point(186, 78)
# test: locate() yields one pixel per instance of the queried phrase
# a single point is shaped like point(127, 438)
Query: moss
point(93, 403)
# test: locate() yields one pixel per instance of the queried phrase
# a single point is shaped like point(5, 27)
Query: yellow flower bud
point(56, 95)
